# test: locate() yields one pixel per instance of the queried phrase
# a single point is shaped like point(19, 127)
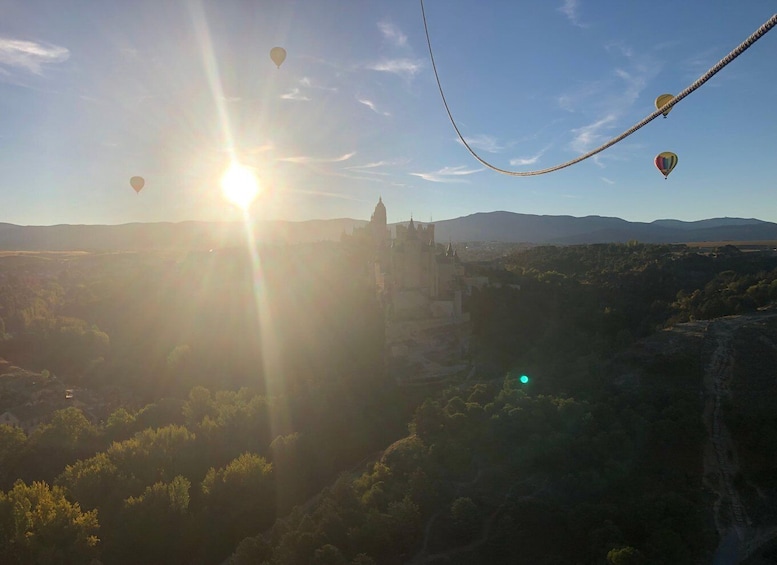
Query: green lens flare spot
point(524, 379)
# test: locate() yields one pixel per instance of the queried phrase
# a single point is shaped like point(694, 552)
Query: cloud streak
point(610, 98)
point(483, 142)
point(295, 94)
point(590, 136)
point(338, 195)
point(448, 174)
point(307, 82)
point(371, 105)
point(571, 9)
point(29, 55)
point(392, 34)
point(407, 68)
point(369, 168)
point(308, 159)
point(523, 161)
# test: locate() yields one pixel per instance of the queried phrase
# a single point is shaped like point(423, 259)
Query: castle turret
point(378, 223)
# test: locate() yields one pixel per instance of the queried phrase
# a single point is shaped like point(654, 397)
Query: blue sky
point(94, 92)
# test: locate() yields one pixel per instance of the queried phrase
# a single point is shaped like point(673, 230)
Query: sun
point(240, 185)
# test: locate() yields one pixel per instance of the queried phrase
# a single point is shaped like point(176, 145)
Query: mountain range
point(505, 227)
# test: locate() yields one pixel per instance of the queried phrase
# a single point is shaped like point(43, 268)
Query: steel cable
point(741, 48)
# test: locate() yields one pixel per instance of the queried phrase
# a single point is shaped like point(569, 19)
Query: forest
point(234, 407)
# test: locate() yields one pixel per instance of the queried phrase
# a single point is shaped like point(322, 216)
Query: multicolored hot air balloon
point(278, 55)
point(662, 100)
point(665, 162)
point(137, 183)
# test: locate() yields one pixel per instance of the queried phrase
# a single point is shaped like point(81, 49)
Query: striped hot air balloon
point(665, 162)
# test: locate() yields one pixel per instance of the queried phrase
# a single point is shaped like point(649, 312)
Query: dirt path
point(720, 460)
point(739, 538)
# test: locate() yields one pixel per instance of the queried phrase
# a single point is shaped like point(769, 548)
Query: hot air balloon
point(665, 162)
point(663, 100)
point(278, 55)
point(137, 183)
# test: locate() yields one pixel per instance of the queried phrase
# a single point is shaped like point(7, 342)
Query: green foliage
point(241, 492)
point(68, 429)
point(574, 454)
point(13, 442)
point(465, 515)
point(152, 525)
point(39, 525)
point(119, 425)
point(251, 551)
point(625, 556)
point(199, 405)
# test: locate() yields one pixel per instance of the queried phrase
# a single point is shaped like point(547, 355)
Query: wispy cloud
point(609, 99)
point(307, 82)
point(523, 161)
point(635, 84)
point(571, 9)
point(29, 55)
point(308, 159)
point(392, 34)
point(371, 105)
point(637, 70)
point(338, 195)
point(608, 181)
point(483, 142)
point(407, 68)
point(295, 94)
point(572, 101)
point(697, 65)
point(369, 168)
point(590, 136)
point(448, 174)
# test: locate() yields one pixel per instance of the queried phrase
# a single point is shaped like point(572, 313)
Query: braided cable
point(741, 48)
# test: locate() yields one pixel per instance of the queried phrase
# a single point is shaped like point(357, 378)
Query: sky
point(93, 93)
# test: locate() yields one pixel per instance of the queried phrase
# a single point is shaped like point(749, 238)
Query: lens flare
point(239, 185)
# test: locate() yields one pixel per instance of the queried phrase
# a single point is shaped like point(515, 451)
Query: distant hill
point(567, 230)
point(183, 235)
point(506, 227)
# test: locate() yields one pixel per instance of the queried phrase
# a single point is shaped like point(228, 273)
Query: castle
point(415, 278)
point(419, 283)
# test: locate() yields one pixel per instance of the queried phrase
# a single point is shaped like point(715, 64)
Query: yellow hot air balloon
point(663, 100)
point(665, 162)
point(137, 183)
point(278, 55)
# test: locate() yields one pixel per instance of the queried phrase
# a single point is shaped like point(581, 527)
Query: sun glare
point(240, 185)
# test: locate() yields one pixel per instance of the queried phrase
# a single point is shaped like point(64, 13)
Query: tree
point(68, 430)
point(466, 517)
point(119, 425)
point(199, 405)
point(12, 442)
point(329, 555)
point(39, 525)
point(251, 551)
point(97, 483)
point(68, 437)
point(152, 525)
point(625, 556)
point(238, 501)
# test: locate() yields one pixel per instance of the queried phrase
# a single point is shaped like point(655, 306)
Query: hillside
point(505, 227)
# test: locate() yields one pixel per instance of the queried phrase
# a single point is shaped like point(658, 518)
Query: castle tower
point(378, 224)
